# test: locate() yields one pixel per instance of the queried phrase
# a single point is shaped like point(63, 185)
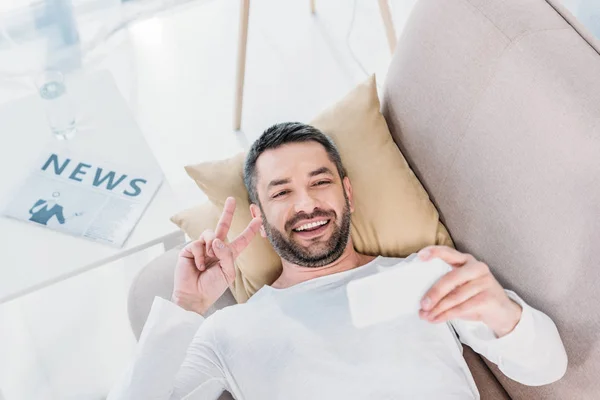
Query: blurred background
point(174, 62)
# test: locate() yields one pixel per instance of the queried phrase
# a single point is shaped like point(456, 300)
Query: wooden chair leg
point(386, 15)
point(312, 7)
point(241, 64)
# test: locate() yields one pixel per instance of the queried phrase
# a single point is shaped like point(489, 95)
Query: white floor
point(71, 340)
point(297, 64)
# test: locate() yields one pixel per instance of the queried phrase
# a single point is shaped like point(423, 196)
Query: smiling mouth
point(311, 226)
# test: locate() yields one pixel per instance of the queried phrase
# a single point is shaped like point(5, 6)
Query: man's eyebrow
point(277, 182)
point(322, 170)
point(284, 181)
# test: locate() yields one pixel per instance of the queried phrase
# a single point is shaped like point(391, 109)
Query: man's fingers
point(242, 241)
point(449, 282)
point(196, 251)
point(456, 297)
point(226, 217)
point(470, 309)
point(225, 255)
point(448, 254)
point(208, 236)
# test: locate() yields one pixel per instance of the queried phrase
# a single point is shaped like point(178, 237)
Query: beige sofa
point(496, 106)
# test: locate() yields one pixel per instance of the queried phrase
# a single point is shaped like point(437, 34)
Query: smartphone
point(390, 294)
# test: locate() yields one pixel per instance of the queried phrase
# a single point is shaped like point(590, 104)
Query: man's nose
point(305, 203)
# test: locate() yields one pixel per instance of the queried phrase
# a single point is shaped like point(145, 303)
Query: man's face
point(305, 206)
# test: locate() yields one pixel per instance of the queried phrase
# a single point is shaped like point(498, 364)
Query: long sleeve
point(175, 358)
point(532, 354)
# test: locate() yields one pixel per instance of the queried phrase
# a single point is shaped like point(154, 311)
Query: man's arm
point(174, 358)
point(177, 350)
point(532, 353)
point(496, 323)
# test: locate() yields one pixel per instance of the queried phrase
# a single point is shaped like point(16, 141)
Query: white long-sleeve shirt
point(300, 343)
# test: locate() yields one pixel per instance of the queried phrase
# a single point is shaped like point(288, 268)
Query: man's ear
point(348, 190)
point(255, 211)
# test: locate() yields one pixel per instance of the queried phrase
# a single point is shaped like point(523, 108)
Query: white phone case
point(390, 294)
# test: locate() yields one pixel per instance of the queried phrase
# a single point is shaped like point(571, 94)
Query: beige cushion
point(196, 220)
point(393, 216)
point(496, 106)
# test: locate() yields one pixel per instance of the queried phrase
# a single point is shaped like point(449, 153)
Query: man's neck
point(293, 274)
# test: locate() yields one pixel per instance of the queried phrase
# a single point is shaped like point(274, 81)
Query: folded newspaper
point(82, 196)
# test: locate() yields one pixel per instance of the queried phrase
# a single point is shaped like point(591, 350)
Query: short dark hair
point(284, 133)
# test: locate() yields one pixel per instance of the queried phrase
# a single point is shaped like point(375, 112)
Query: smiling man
point(294, 339)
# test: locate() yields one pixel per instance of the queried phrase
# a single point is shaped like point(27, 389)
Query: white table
point(33, 257)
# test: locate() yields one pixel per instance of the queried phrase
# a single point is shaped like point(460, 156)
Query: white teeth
point(310, 225)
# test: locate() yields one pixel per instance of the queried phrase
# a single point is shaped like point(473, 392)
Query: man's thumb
point(222, 250)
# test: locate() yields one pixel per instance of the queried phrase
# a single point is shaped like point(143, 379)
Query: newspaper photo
point(81, 196)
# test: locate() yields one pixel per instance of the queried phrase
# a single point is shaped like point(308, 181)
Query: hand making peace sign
point(205, 267)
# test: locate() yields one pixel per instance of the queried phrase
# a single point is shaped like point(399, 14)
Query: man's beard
point(297, 254)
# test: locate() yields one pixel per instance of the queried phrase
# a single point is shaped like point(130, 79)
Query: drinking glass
point(57, 103)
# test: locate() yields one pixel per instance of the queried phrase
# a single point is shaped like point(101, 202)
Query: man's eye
point(279, 194)
point(321, 183)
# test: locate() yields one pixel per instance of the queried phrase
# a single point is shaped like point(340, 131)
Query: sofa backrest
point(496, 106)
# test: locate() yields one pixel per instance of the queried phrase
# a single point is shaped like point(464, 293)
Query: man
point(294, 339)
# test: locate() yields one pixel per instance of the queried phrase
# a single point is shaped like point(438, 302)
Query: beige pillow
point(393, 216)
point(196, 220)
